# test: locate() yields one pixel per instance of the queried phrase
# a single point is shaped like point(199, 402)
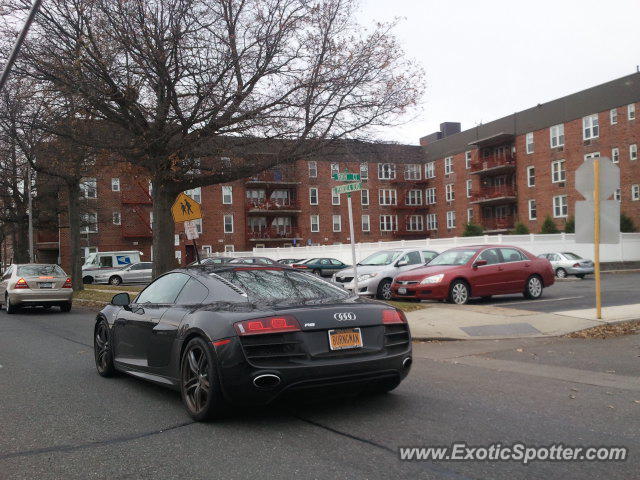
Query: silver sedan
point(32, 284)
point(569, 263)
point(135, 273)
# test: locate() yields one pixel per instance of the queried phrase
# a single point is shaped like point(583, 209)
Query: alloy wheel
point(561, 273)
point(535, 287)
point(102, 347)
point(386, 291)
point(195, 379)
point(459, 293)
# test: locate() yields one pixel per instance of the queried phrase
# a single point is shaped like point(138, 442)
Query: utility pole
point(30, 207)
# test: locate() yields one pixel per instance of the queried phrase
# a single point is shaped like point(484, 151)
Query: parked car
point(324, 267)
point(377, 271)
point(476, 271)
point(141, 272)
point(290, 261)
point(212, 261)
point(253, 261)
point(35, 285)
point(249, 334)
point(104, 261)
point(568, 263)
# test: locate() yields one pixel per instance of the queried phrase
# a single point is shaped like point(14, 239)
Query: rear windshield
point(381, 258)
point(453, 257)
point(282, 286)
point(572, 256)
point(40, 270)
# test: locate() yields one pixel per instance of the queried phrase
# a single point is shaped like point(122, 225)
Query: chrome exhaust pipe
point(266, 381)
point(406, 363)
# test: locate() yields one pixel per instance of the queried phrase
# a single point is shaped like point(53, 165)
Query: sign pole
point(195, 247)
point(353, 245)
point(596, 235)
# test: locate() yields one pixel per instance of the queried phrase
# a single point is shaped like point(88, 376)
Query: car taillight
point(393, 316)
point(22, 283)
point(67, 284)
point(299, 266)
point(576, 264)
point(257, 326)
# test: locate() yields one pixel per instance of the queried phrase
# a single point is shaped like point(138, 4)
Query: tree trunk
point(21, 241)
point(73, 193)
point(163, 227)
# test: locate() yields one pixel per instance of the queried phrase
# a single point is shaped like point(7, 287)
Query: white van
point(100, 261)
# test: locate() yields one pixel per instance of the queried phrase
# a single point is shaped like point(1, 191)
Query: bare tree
point(181, 84)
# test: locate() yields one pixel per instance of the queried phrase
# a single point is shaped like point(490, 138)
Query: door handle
point(527, 265)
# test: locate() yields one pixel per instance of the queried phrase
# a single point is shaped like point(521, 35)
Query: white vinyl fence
point(627, 250)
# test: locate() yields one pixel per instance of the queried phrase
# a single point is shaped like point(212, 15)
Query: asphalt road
point(576, 294)
point(59, 419)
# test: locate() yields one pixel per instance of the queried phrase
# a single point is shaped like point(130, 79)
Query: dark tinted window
point(511, 255)
point(141, 266)
point(164, 290)
point(106, 261)
point(490, 255)
point(336, 262)
point(193, 292)
point(412, 258)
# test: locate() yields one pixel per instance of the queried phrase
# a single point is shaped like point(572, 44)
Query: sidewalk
point(480, 322)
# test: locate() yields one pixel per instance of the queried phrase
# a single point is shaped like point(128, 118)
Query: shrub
point(472, 230)
point(520, 229)
point(626, 224)
point(570, 225)
point(549, 226)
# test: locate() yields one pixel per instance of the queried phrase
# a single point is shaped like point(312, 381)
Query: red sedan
point(476, 271)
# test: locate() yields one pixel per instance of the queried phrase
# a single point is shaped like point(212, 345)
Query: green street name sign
point(346, 177)
point(349, 187)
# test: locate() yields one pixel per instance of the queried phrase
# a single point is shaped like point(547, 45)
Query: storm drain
point(505, 329)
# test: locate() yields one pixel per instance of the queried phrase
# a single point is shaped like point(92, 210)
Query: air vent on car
point(396, 336)
point(273, 350)
point(229, 284)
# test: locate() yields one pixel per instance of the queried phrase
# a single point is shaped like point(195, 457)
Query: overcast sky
point(487, 59)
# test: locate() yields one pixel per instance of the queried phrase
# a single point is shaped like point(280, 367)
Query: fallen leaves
point(608, 330)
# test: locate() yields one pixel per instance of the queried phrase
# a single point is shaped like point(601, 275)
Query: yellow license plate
point(345, 338)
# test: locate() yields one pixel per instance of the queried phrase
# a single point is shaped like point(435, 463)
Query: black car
point(240, 334)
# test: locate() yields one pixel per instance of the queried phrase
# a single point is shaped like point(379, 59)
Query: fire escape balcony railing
point(272, 205)
point(501, 223)
point(273, 176)
point(493, 161)
point(492, 192)
point(272, 233)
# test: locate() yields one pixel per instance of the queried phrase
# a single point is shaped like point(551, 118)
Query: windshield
point(453, 257)
point(38, 270)
point(572, 256)
point(381, 258)
point(282, 286)
point(90, 259)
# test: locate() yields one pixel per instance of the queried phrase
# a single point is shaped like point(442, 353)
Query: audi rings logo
point(344, 316)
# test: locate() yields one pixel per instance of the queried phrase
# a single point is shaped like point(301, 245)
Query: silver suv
point(377, 271)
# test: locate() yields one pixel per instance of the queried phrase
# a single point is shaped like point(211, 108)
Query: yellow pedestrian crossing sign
point(185, 208)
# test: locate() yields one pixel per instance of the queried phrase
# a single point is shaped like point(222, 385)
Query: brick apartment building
point(517, 168)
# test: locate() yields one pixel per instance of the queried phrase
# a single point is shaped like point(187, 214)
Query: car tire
point(115, 280)
point(316, 271)
point(65, 307)
point(561, 273)
point(11, 308)
point(580, 276)
point(459, 292)
point(384, 290)
point(103, 349)
point(533, 288)
point(88, 280)
point(199, 383)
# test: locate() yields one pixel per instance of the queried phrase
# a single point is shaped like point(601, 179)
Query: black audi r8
point(243, 334)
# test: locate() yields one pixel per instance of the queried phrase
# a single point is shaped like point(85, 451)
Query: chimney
point(446, 129)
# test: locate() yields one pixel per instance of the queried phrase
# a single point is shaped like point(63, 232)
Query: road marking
point(537, 301)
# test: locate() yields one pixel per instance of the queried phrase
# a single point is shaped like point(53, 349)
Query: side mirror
point(479, 263)
point(402, 263)
point(121, 299)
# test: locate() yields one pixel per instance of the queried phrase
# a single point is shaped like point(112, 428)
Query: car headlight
point(433, 279)
point(366, 276)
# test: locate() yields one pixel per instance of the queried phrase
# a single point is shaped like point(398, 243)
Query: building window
point(556, 134)
point(635, 192)
point(337, 223)
point(387, 196)
point(228, 223)
point(151, 220)
point(313, 196)
point(176, 240)
point(227, 194)
point(592, 155)
point(198, 222)
point(335, 198)
point(313, 169)
point(631, 111)
point(231, 248)
point(531, 176)
point(207, 250)
point(449, 192)
point(529, 142)
point(633, 152)
point(617, 195)
point(415, 224)
point(179, 256)
point(364, 197)
point(117, 220)
point(469, 215)
point(386, 171)
point(88, 188)
point(195, 194)
point(560, 206)
point(366, 224)
point(315, 223)
point(558, 172)
point(467, 159)
point(431, 196)
point(448, 165)
point(615, 155)
point(89, 222)
point(613, 116)
point(412, 171)
point(451, 219)
point(414, 197)
point(335, 169)
point(432, 221)
point(364, 171)
point(533, 212)
point(430, 170)
point(469, 185)
point(115, 184)
point(388, 223)
point(590, 128)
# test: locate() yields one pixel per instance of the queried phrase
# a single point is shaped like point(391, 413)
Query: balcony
point(493, 164)
point(495, 194)
point(274, 177)
point(498, 224)
point(47, 239)
point(276, 206)
point(136, 193)
point(273, 234)
point(135, 223)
